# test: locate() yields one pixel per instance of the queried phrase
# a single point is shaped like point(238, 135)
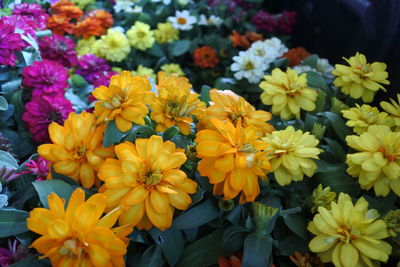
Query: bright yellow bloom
point(113, 46)
point(226, 105)
point(322, 197)
point(288, 92)
point(145, 180)
point(86, 46)
point(394, 110)
point(140, 36)
point(83, 3)
point(144, 72)
point(360, 79)
point(291, 153)
point(124, 100)
point(377, 164)
point(360, 118)
point(77, 236)
point(175, 104)
point(349, 235)
point(77, 150)
point(172, 69)
point(166, 33)
point(232, 159)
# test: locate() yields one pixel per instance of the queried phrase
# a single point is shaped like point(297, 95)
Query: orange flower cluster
point(245, 40)
point(64, 13)
point(234, 260)
point(205, 57)
point(296, 55)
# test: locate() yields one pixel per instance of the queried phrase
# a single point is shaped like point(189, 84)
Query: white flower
point(118, 28)
point(124, 6)
point(182, 20)
point(246, 65)
point(137, 9)
point(165, 2)
point(212, 20)
point(184, 2)
point(303, 68)
point(323, 66)
point(275, 48)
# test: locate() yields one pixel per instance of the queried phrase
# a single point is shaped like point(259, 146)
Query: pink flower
point(15, 252)
point(39, 168)
point(10, 42)
point(93, 68)
point(286, 21)
point(33, 12)
point(264, 21)
point(60, 49)
point(21, 24)
point(43, 110)
point(45, 77)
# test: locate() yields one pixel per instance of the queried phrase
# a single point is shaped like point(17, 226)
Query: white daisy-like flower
point(324, 67)
point(124, 6)
point(275, 48)
point(303, 68)
point(137, 9)
point(211, 21)
point(247, 65)
point(183, 20)
point(165, 2)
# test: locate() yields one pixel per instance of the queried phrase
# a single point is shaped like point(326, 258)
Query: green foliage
point(12, 222)
point(45, 188)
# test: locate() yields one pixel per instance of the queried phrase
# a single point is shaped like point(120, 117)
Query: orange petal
point(161, 221)
point(133, 215)
point(98, 255)
point(159, 201)
point(135, 196)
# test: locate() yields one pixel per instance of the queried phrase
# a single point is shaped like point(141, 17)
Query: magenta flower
point(39, 168)
point(21, 24)
point(15, 252)
point(91, 67)
point(33, 12)
point(10, 42)
point(104, 78)
point(60, 49)
point(43, 110)
point(45, 77)
point(264, 21)
point(286, 21)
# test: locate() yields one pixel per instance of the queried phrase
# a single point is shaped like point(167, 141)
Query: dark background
point(339, 28)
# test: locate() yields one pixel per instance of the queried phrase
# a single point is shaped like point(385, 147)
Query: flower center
point(363, 68)
point(181, 21)
point(141, 34)
point(80, 152)
point(114, 102)
point(389, 156)
point(249, 65)
point(346, 235)
point(248, 148)
point(72, 248)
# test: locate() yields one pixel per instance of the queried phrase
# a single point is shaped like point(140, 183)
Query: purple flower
point(21, 24)
point(39, 168)
point(41, 111)
point(10, 42)
point(104, 78)
point(60, 49)
point(91, 67)
point(264, 21)
point(33, 12)
point(15, 252)
point(45, 77)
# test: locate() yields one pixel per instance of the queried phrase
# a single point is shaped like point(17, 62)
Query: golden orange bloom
point(105, 18)
point(60, 24)
point(89, 27)
point(175, 104)
point(239, 40)
point(124, 100)
point(228, 106)
point(234, 260)
point(254, 37)
point(232, 159)
point(77, 150)
point(205, 57)
point(67, 9)
point(77, 236)
point(296, 55)
point(146, 182)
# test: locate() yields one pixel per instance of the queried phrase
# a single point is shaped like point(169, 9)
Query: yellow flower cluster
point(113, 46)
point(144, 72)
point(349, 235)
point(394, 110)
point(172, 68)
point(140, 36)
point(166, 33)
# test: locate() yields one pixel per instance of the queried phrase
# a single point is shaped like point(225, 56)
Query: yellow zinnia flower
point(232, 159)
point(140, 36)
point(394, 110)
point(113, 46)
point(360, 118)
point(144, 72)
point(288, 92)
point(77, 150)
point(377, 164)
point(360, 79)
point(145, 180)
point(172, 68)
point(226, 105)
point(349, 235)
point(77, 236)
point(291, 153)
point(86, 46)
point(166, 33)
point(124, 100)
point(175, 104)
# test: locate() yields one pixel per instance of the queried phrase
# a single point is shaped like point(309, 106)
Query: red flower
point(205, 57)
point(296, 55)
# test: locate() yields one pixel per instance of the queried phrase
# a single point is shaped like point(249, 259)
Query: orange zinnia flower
point(60, 24)
point(105, 18)
point(296, 55)
point(225, 105)
point(205, 57)
point(146, 182)
point(66, 8)
point(245, 40)
point(77, 236)
point(235, 260)
point(254, 37)
point(88, 27)
point(232, 159)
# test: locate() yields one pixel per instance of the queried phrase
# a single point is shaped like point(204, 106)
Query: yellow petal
point(181, 200)
point(133, 215)
point(98, 255)
point(136, 195)
point(161, 221)
point(56, 205)
point(349, 255)
point(159, 201)
point(58, 229)
point(87, 175)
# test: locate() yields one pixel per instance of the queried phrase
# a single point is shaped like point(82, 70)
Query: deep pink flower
point(33, 12)
point(264, 21)
point(91, 68)
point(21, 24)
point(286, 21)
point(39, 168)
point(60, 49)
point(45, 77)
point(10, 42)
point(43, 110)
point(15, 252)
point(104, 78)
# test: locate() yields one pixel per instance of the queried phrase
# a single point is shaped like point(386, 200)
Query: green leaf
point(10, 86)
point(171, 243)
point(32, 261)
point(12, 222)
point(205, 94)
point(338, 180)
point(321, 102)
point(296, 223)
point(338, 125)
point(315, 80)
point(292, 243)
point(256, 251)
point(3, 103)
point(224, 83)
point(145, 131)
point(279, 63)
point(178, 48)
point(7, 161)
point(156, 51)
point(311, 61)
point(45, 188)
point(152, 257)
point(62, 177)
point(180, 141)
point(113, 135)
point(336, 148)
point(196, 216)
point(170, 133)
